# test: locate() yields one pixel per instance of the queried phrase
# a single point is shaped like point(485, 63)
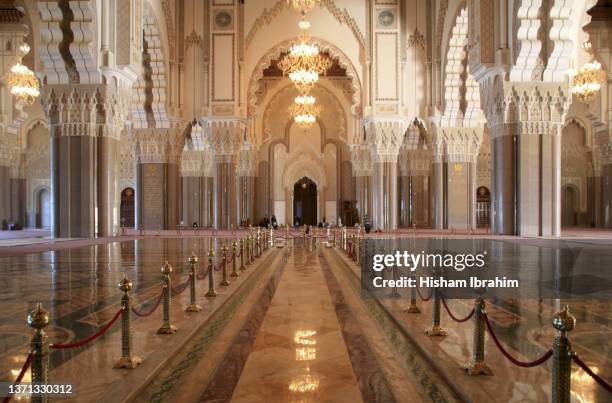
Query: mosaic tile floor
point(316, 302)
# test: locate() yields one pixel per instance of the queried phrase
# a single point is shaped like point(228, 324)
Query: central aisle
point(299, 353)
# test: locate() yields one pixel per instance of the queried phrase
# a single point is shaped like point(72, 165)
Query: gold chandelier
point(588, 81)
point(304, 111)
point(303, 5)
point(22, 82)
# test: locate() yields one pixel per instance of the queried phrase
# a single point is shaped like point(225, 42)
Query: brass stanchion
point(167, 327)
point(141, 230)
point(234, 257)
point(249, 257)
point(477, 365)
point(224, 281)
point(211, 273)
point(178, 229)
point(242, 267)
point(127, 360)
point(413, 308)
point(562, 357)
point(258, 244)
point(192, 307)
point(38, 319)
point(436, 329)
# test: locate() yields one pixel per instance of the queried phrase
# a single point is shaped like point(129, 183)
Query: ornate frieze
point(225, 135)
point(385, 136)
point(157, 145)
point(361, 160)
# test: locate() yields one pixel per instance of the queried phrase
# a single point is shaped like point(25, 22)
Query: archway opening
point(483, 207)
point(305, 202)
point(569, 206)
point(43, 209)
point(127, 208)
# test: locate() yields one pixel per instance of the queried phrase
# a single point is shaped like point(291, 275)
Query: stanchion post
point(127, 360)
point(192, 307)
point(167, 327)
point(477, 365)
point(224, 281)
point(413, 308)
point(436, 329)
point(234, 257)
point(248, 250)
point(242, 267)
point(562, 357)
point(38, 319)
point(258, 244)
point(211, 273)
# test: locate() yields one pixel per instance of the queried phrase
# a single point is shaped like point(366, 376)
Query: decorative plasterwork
point(246, 164)
point(149, 98)
point(67, 42)
point(167, 8)
point(384, 137)
point(196, 163)
point(416, 39)
point(86, 110)
point(414, 162)
point(225, 135)
point(305, 166)
point(440, 23)
point(524, 107)
point(157, 145)
point(361, 160)
point(341, 15)
point(532, 33)
point(456, 144)
point(283, 47)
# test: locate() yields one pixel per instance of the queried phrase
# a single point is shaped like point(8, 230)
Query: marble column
point(385, 196)
point(607, 195)
point(246, 199)
point(192, 192)
point(207, 201)
point(172, 194)
point(405, 204)
point(363, 197)
point(73, 167)
point(106, 185)
point(438, 210)
point(137, 193)
point(595, 201)
point(503, 179)
point(5, 197)
point(224, 178)
point(460, 194)
point(18, 201)
point(419, 200)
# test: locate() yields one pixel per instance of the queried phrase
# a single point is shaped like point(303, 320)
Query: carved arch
point(283, 47)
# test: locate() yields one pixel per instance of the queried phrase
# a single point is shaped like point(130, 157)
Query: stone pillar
point(18, 200)
point(224, 185)
point(438, 194)
point(107, 151)
point(157, 177)
point(247, 165)
point(405, 202)
point(5, 197)
point(137, 192)
point(607, 195)
point(503, 180)
point(384, 137)
point(362, 171)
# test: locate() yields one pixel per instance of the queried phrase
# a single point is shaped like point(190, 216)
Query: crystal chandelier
point(303, 5)
point(22, 81)
point(304, 111)
point(588, 81)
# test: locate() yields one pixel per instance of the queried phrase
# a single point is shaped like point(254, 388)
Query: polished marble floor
point(300, 330)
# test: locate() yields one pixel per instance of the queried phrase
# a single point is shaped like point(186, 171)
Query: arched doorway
point(305, 201)
point(127, 208)
point(43, 208)
point(483, 207)
point(569, 201)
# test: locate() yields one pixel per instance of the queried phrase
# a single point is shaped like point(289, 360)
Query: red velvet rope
point(421, 296)
point(25, 367)
point(204, 274)
point(513, 360)
point(90, 338)
point(142, 314)
point(593, 375)
point(453, 317)
point(181, 288)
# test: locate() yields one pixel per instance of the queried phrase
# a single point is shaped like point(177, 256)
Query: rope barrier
point(182, 288)
point(204, 274)
point(513, 360)
point(90, 338)
point(421, 295)
point(25, 367)
point(593, 375)
point(453, 317)
point(143, 314)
